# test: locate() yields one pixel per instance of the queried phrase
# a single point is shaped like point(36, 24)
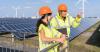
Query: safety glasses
point(48, 14)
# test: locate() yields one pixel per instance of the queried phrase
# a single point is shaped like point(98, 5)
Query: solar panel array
point(84, 25)
point(18, 26)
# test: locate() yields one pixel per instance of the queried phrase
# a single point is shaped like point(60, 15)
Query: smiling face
point(62, 13)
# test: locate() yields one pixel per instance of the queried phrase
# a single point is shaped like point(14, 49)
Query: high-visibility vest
point(57, 22)
point(50, 33)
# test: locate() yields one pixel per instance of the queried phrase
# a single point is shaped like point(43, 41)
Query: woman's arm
point(47, 39)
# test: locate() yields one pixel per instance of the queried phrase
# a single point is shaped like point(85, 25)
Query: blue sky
point(92, 7)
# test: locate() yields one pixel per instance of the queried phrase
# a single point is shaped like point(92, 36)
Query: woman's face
point(47, 19)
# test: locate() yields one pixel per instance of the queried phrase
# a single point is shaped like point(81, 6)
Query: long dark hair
point(41, 22)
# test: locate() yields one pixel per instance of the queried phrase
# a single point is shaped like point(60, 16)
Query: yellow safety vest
point(50, 33)
point(57, 22)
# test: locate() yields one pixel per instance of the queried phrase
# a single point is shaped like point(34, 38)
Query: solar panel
point(18, 25)
point(3, 49)
point(84, 25)
point(3, 29)
point(8, 27)
point(21, 35)
point(27, 30)
point(95, 38)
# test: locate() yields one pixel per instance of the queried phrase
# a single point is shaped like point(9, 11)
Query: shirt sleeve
point(74, 22)
point(53, 23)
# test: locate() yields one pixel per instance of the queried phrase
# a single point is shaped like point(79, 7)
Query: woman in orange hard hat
point(46, 34)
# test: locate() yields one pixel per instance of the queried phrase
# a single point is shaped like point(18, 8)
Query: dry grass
point(79, 44)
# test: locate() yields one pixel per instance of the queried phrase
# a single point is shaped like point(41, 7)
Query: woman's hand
point(80, 13)
point(62, 39)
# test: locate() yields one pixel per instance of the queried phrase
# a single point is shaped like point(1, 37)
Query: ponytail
point(40, 22)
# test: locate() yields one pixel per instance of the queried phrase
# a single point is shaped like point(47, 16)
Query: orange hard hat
point(44, 10)
point(62, 7)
